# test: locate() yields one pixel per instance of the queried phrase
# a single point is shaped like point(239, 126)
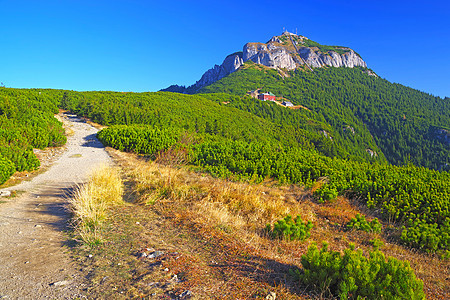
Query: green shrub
point(354, 276)
point(23, 159)
point(6, 169)
point(326, 193)
point(290, 229)
point(376, 243)
point(27, 121)
point(360, 223)
point(428, 237)
point(143, 139)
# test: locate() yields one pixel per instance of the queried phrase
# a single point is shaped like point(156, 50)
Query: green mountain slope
point(230, 142)
point(209, 114)
point(406, 124)
point(244, 138)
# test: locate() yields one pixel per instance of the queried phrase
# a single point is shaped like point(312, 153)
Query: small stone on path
point(60, 283)
point(185, 294)
point(155, 254)
point(5, 193)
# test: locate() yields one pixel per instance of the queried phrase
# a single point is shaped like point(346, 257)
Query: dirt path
point(34, 263)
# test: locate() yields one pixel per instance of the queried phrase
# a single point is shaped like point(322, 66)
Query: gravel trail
point(34, 259)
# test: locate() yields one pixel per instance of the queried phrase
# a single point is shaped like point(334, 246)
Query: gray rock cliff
point(317, 59)
point(230, 64)
point(269, 55)
point(288, 51)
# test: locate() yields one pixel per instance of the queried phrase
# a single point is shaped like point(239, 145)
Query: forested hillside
point(27, 121)
point(245, 139)
point(221, 116)
point(408, 125)
point(346, 142)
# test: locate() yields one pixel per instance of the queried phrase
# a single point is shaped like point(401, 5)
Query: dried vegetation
point(90, 202)
point(212, 233)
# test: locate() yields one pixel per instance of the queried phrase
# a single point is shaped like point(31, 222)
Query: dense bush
point(429, 237)
point(360, 223)
point(290, 229)
point(27, 121)
point(224, 115)
point(415, 196)
point(143, 139)
point(354, 276)
point(6, 169)
point(376, 243)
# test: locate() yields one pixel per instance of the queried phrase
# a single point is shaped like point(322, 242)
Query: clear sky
point(148, 45)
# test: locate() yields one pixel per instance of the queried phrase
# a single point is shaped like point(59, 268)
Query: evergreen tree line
point(406, 124)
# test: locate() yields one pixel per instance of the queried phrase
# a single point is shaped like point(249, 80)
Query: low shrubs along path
point(33, 255)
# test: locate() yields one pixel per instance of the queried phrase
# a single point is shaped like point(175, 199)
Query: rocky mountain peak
point(287, 51)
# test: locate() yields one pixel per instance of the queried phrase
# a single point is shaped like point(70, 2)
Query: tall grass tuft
point(91, 200)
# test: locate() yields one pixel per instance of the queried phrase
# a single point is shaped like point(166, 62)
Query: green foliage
point(143, 139)
point(7, 168)
point(290, 229)
point(416, 196)
point(26, 122)
point(399, 120)
point(376, 243)
point(258, 161)
point(354, 276)
point(306, 126)
point(243, 119)
point(326, 193)
point(324, 48)
point(360, 223)
point(427, 236)
point(191, 113)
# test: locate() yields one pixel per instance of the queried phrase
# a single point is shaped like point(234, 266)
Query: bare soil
point(35, 261)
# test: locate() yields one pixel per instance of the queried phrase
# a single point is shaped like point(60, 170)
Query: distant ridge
point(287, 51)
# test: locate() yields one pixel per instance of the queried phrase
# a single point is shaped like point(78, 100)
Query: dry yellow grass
point(90, 201)
point(252, 204)
point(232, 216)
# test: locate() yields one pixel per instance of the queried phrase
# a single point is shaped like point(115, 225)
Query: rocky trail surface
point(34, 259)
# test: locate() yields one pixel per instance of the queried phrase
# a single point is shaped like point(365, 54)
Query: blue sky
point(148, 45)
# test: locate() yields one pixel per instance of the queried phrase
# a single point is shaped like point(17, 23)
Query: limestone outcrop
point(269, 55)
point(288, 52)
point(230, 64)
point(316, 59)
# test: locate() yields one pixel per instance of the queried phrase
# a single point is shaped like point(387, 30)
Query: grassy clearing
point(90, 202)
point(212, 234)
